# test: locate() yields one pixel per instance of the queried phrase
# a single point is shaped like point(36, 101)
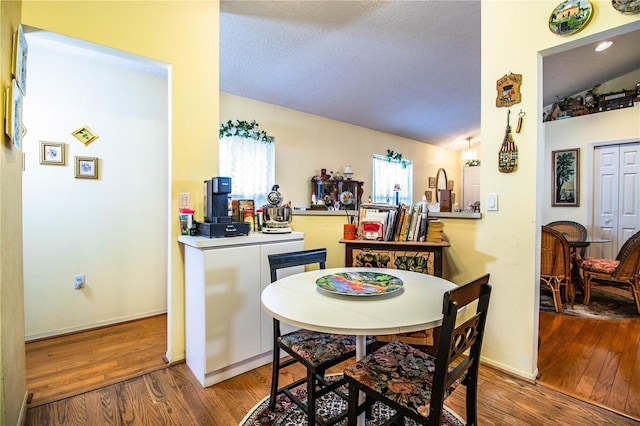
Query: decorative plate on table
point(361, 283)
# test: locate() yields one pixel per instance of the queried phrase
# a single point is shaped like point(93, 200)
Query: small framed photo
point(86, 167)
point(428, 195)
point(52, 153)
point(85, 135)
point(566, 178)
point(432, 182)
point(450, 185)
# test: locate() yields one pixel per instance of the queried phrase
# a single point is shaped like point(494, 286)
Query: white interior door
point(471, 185)
point(616, 205)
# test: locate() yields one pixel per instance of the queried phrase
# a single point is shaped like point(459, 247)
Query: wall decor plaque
point(570, 16)
point(626, 7)
point(508, 88)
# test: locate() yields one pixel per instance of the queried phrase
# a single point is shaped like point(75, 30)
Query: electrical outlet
point(78, 281)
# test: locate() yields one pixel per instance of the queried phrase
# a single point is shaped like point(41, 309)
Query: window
point(251, 165)
point(387, 175)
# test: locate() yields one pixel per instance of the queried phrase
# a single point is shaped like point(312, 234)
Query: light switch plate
point(492, 202)
point(184, 200)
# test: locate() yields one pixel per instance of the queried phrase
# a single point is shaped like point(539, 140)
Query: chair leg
point(311, 398)
point(635, 287)
point(472, 400)
point(557, 301)
point(352, 413)
point(275, 374)
point(587, 289)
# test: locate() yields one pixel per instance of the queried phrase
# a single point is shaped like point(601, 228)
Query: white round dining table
point(299, 301)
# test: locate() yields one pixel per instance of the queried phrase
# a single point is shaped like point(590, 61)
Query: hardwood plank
point(172, 396)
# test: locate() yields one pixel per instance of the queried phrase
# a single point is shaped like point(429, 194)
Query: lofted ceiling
point(407, 68)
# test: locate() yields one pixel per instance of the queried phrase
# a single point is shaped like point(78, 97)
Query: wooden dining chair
point(415, 384)
point(314, 350)
point(555, 265)
point(572, 231)
point(623, 271)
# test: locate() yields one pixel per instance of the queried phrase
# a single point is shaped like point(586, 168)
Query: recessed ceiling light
point(603, 46)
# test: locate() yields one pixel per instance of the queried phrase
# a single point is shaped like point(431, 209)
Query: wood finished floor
point(68, 365)
point(172, 396)
point(595, 360)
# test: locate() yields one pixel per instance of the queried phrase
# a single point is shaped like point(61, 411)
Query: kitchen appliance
point(217, 222)
point(276, 217)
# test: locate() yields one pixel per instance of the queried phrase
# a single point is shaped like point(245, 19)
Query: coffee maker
point(217, 222)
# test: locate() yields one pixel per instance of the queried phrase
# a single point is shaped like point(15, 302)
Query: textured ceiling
point(407, 68)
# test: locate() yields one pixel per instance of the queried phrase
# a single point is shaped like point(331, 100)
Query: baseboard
point(22, 418)
point(510, 371)
point(92, 326)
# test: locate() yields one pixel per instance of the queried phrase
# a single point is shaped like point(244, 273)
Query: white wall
point(112, 229)
point(306, 143)
point(584, 132)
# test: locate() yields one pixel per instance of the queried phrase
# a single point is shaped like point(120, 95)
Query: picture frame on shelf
point(565, 179)
point(52, 153)
point(86, 167)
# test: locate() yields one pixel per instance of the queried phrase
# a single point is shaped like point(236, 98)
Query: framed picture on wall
point(428, 195)
point(566, 178)
point(86, 167)
point(432, 182)
point(52, 153)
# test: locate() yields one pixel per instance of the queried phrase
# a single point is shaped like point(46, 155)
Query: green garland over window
point(244, 129)
point(396, 157)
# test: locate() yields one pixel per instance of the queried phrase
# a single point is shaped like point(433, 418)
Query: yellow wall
point(183, 34)
point(512, 35)
point(13, 385)
point(306, 143)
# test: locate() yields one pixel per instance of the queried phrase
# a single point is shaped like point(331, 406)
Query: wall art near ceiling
point(570, 16)
point(86, 167)
point(52, 153)
point(626, 7)
point(13, 114)
point(19, 59)
point(508, 88)
point(566, 178)
point(85, 135)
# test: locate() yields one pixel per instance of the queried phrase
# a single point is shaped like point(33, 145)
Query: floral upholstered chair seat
point(316, 348)
point(602, 266)
point(402, 374)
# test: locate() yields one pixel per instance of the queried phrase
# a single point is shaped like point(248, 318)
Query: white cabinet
point(227, 331)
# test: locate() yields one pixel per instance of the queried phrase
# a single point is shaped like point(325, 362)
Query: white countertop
point(252, 238)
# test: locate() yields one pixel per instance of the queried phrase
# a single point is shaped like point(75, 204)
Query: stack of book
point(434, 231)
point(399, 223)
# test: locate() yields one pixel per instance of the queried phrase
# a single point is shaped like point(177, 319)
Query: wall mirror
point(441, 182)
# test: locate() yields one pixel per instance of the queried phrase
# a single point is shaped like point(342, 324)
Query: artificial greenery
point(244, 129)
point(397, 157)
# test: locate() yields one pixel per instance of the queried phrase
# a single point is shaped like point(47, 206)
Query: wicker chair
point(623, 271)
point(415, 384)
point(555, 265)
point(572, 231)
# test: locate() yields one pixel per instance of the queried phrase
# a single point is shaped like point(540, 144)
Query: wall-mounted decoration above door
point(570, 16)
point(508, 154)
point(626, 7)
point(508, 88)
